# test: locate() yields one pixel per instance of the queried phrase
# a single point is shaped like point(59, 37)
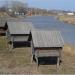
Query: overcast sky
point(49, 4)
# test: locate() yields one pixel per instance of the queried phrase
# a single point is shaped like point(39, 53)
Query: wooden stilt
point(58, 62)
point(12, 42)
point(32, 55)
point(12, 45)
point(37, 62)
point(31, 58)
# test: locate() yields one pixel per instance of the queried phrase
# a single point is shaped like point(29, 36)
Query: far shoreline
point(67, 19)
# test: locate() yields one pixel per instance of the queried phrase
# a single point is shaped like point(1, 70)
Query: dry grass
point(67, 19)
point(18, 61)
point(3, 42)
point(4, 14)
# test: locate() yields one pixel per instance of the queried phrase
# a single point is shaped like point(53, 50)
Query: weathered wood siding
point(20, 38)
point(47, 52)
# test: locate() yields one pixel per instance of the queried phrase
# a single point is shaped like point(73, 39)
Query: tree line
point(17, 7)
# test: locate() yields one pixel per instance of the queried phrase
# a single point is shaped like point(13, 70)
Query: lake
point(50, 23)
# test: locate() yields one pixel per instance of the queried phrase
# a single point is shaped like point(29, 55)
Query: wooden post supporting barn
point(46, 44)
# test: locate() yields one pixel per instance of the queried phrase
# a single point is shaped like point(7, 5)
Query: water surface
point(50, 23)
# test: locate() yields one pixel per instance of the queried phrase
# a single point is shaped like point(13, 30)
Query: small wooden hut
point(46, 43)
point(3, 25)
point(18, 31)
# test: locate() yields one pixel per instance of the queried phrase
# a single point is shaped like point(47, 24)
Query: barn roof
point(3, 20)
point(46, 38)
point(13, 20)
point(19, 27)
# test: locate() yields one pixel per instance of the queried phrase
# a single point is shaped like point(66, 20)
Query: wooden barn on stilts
point(18, 32)
point(46, 44)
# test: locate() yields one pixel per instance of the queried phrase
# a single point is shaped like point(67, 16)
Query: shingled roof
point(19, 27)
point(46, 38)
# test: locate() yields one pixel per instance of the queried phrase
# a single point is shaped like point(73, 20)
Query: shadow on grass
point(47, 60)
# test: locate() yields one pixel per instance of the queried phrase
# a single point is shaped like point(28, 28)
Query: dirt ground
point(18, 61)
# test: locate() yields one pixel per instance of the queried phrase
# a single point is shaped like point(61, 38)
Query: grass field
point(18, 61)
